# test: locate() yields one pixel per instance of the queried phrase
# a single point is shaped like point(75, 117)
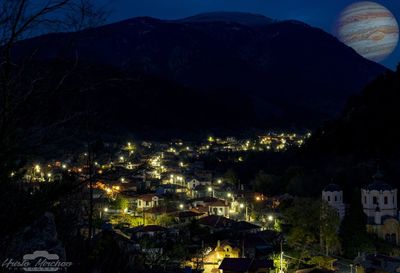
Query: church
point(333, 195)
point(379, 201)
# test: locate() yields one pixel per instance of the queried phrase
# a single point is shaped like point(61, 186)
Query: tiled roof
point(188, 214)
point(216, 221)
point(146, 197)
point(332, 187)
point(153, 228)
point(379, 185)
point(243, 225)
point(244, 264)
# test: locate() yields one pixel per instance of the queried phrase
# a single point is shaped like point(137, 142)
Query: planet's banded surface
point(370, 29)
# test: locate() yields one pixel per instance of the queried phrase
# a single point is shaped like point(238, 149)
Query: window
point(385, 200)
point(393, 200)
point(374, 200)
point(329, 198)
point(365, 200)
point(335, 198)
point(393, 238)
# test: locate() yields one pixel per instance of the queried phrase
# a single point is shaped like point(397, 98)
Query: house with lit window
point(221, 251)
point(211, 206)
point(147, 201)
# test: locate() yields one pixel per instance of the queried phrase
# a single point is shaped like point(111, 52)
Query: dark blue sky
point(318, 13)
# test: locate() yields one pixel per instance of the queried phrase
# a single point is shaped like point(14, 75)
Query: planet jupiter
point(370, 29)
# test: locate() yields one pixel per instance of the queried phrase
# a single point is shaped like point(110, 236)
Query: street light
point(181, 206)
point(219, 181)
point(105, 209)
point(270, 218)
point(241, 205)
point(211, 190)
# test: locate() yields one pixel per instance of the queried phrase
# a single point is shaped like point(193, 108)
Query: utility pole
point(281, 259)
point(90, 168)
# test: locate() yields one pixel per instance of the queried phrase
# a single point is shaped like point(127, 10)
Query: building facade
point(379, 201)
point(333, 195)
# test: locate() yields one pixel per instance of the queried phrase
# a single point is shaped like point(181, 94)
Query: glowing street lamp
point(241, 205)
point(211, 190)
point(181, 206)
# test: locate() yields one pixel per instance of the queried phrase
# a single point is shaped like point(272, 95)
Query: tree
point(23, 81)
point(165, 220)
point(266, 183)
point(120, 203)
point(303, 216)
point(231, 178)
point(312, 222)
point(329, 223)
point(353, 233)
point(132, 221)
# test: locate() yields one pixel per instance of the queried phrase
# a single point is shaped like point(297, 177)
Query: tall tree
point(353, 233)
point(23, 81)
point(329, 223)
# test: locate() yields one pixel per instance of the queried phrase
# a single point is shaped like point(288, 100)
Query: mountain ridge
point(286, 68)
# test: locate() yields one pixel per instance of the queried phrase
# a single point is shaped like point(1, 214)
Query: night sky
point(322, 14)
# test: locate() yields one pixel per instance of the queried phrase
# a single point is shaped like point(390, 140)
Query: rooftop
point(332, 188)
point(244, 264)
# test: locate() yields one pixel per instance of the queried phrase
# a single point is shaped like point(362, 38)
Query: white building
point(193, 183)
point(379, 196)
point(146, 201)
point(333, 195)
point(379, 200)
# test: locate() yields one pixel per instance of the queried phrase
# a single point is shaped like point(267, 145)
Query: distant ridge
point(248, 19)
point(246, 67)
